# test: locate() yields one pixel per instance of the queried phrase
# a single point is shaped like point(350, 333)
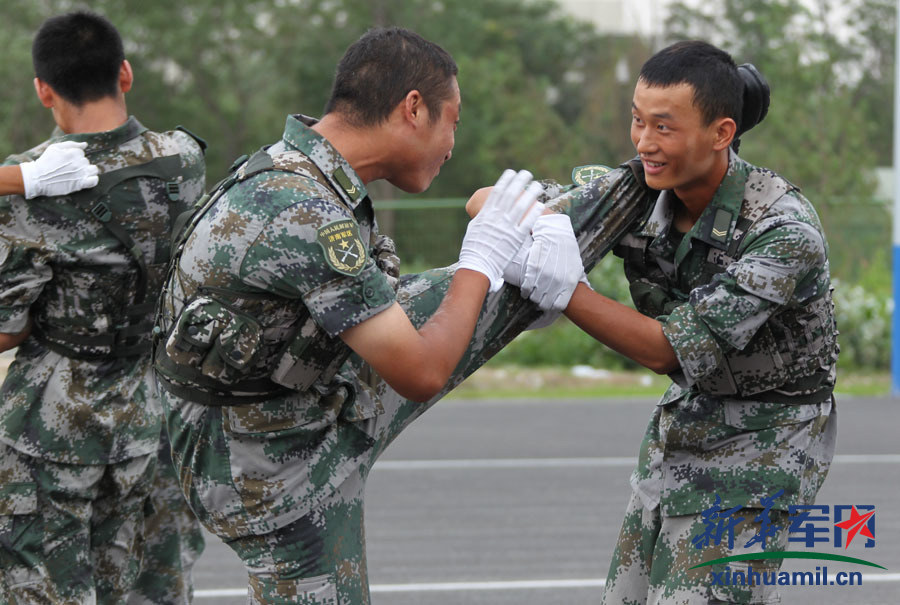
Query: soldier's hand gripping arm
point(552, 267)
point(549, 278)
point(417, 364)
point(61, 169)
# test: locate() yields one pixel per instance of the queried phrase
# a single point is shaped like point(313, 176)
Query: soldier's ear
point(45, 94)
point(126, 76)
point(725, 129)
point(414, 109)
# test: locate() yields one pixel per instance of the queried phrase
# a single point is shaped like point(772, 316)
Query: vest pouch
point(214, 340)
point(310, 356)
point(759, 367)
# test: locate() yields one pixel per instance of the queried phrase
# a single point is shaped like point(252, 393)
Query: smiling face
point(429, 147)
point(677, 148)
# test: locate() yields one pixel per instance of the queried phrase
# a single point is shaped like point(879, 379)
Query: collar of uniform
point(716, 224)
point(344, 180)
point(660, 217)
point(103, 141)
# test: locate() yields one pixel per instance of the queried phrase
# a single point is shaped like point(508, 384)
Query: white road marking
point(873, 578)
point(608, 461)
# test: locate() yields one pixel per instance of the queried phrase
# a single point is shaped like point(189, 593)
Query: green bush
point(864, 321)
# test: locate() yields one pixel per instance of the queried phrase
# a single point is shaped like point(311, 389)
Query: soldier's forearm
point(10, 341)
point(11, 181)
point(622, 329)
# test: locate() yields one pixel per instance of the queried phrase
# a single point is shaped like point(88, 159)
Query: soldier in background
point(729, 274)
point(291, 351)
point(79, 278)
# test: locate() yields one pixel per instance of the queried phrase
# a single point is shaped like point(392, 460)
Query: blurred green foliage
point(540, 91)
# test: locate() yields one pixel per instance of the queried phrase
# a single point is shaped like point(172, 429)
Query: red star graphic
point(856, 524)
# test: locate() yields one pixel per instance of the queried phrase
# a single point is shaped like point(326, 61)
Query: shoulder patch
point(582, 175)
point(343, 247)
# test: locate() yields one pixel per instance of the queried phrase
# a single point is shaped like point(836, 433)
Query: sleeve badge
point(343, 247)
point(582, 175)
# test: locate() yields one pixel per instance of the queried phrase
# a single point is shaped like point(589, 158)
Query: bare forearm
point(418, 363)
point(448, 332)
point(11, 341)
point(622, 329)
point(11, 181)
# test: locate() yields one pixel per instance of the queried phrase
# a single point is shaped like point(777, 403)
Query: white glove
point(61, 169)
point(554, 265)
point(515, 270)
point(495, 236)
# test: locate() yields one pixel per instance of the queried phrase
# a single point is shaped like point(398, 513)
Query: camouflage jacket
point(66, 269)
point(277, 267)
point(745, 302)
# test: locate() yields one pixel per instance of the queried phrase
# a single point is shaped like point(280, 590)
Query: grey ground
point(554, 515)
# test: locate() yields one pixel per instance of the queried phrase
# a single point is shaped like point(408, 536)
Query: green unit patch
point(582, 175)
point(343, 247)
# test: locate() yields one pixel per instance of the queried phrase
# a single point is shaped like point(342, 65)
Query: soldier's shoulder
point(26, 156)
point(294, 178)
point(771, 199)
point(793, 207)
point(173, 142)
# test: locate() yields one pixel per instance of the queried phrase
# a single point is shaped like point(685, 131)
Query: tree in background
point(540, 91)
point(231, 71)
point(820, 128)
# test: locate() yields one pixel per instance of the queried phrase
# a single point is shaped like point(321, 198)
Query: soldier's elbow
point(424, 384)
point(662, 366)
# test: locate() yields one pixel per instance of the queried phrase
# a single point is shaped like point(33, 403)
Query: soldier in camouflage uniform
point(79, 274)
point(729, 274)
point(291, 351)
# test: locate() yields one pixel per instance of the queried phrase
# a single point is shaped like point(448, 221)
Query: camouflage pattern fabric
point(281, 480)
point(70, 533)
point(654, 555)
point(776, 429)
point(68, 272)
point(173, 540)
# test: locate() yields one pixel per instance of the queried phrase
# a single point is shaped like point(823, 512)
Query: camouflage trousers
point(711, 456)
point(653, 558)
point(173, 540)
point(317, 556)
point(70, 533)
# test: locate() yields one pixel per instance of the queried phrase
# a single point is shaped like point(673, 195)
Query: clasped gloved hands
point(61, 169)
point(502, 226)
point(548, 268)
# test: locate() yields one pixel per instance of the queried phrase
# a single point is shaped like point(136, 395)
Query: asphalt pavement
point(519, 502)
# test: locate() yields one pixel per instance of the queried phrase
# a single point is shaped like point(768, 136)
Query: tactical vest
point(228, 347)
point(131, 316)
point(793, 353)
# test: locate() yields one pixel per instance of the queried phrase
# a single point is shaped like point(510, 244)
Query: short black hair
point(79, 55)
point(718, 88)
point(382, 67)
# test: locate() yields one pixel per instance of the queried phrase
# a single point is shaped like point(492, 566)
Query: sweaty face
point(675, 145)
point(434, 145)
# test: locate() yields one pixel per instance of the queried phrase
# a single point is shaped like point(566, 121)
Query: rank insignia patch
point(343, 247)
point(582, 175)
